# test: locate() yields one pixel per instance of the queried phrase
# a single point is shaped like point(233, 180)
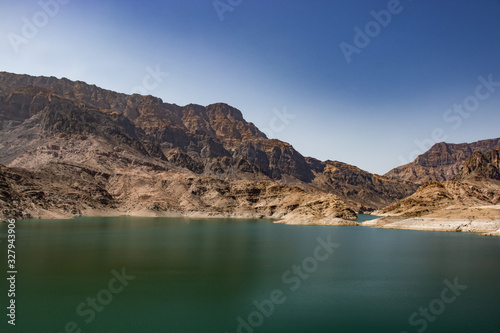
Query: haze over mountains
point(71, 148)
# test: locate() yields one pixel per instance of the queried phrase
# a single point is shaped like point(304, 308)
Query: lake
point(129, 274)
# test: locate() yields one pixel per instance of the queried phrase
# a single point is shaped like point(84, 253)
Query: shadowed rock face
point(64, 190)
point(48, 121)
point(480, 165)
point(442, 162)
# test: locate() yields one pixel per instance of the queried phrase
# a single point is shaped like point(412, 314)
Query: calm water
point(202, 275)
point(366, 217)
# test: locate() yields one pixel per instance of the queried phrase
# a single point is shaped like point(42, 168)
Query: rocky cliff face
point(45, 121)
point(481, 166)
point(442, 162)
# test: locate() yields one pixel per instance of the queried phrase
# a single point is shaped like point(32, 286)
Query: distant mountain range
point(442, 162)
point(460, 190)
point(477, 183)
point(69, 148)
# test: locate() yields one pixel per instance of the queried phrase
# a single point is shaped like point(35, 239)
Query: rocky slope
point(469, 202)
point(48, 120)
point(442, 162)
point(447, 197)
point(361, 189)
point(481, 166)
point(59, 190)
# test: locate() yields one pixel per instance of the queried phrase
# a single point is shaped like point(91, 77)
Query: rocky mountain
point(359, 188)
point(447, 206)
point(450, 199)
point(481, 166)
point(46, 122)
point(61, 190)
point(472, 196)
point(441, 163)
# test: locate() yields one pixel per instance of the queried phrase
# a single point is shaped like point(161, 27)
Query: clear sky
point(367, 82)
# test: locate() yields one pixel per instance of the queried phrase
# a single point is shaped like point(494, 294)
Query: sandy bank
point(60, 215)
point(482, 226)
point(307, 220)
point(490, 227)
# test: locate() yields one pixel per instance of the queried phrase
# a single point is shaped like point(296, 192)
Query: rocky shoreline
point(487, 227)
point(480, 226)
point(71, 149)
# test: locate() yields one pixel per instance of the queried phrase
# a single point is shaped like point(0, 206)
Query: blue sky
point(270, 58)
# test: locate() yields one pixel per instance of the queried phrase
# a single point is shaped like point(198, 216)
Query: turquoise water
point(366, 217)
point(201, 275)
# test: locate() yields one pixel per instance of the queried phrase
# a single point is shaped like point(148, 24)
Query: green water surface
point(207, 275)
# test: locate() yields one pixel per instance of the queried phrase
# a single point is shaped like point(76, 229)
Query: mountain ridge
point(37, 113)
point(469, 202)
point(481, 166)
point(441, 162)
